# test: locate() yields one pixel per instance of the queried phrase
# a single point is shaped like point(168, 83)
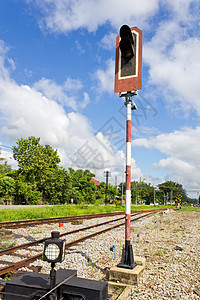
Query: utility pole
point(106, 174)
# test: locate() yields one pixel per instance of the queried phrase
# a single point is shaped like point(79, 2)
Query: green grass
point(149, 207)
point(52, 211)
point(5, 243)
point(160, 252)
point(190, 208)
point(60, 211)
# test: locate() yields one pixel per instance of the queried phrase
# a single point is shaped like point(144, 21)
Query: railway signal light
point(128, 61)
point(126, 43)
point(54, 251)
point(54, 248)
point(127, 51)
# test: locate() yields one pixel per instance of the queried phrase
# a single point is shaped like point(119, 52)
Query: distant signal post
point(128, 79)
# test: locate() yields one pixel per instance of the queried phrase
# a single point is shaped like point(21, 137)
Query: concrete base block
point(128, 276)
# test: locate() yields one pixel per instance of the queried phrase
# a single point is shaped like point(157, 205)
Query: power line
point(4, 146)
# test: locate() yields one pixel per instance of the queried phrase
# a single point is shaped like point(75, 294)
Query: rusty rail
point(27, 261)
point(30, 222)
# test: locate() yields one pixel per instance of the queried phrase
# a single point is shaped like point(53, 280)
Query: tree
point(36, 164)
point(141, 192)
point(172, 190)
point(7, 184)
point(34, 160)
point(82, 189)
point(7, 187)
point(122, 188)
point(4, 167)
point(40, 178)
point(112, 191)
point(25, 192)
point(56, 186)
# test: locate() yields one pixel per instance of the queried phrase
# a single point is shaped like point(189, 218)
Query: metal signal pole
point(128, 77)
point(127, 260)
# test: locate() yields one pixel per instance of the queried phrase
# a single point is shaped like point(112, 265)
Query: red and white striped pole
point(127, 260)
point(128, 172)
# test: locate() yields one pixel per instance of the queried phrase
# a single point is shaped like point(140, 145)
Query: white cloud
point(86, 100)
point(60, 93)
point(177, 71)
point(183, 144)
point(173, 55)
point(181, 171)
point(72, 84)
point(3, 49)
point(25, 111)
point(106, 77)
point(80, 49)
point(35, 111)
point(8, 156)
point(182, 10)
point(182, 151)
point(67, 15)
point(108, 41)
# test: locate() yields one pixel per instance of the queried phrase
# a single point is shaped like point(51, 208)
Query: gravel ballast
point(172, 249)
point(169, 241)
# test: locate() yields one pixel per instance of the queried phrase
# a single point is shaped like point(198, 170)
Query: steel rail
point(29, 222)
point(29, 260)
point(24, 246)
point(33, 243)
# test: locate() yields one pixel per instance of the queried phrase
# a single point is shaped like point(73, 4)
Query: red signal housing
point(128, 68)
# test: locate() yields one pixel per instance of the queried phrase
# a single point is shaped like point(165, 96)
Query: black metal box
point(86, 289)
point(32, 284)
point(35, 285)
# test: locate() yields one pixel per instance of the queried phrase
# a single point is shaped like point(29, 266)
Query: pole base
point(127, 260)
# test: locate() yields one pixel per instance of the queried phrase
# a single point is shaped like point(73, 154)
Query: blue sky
point(57, 81)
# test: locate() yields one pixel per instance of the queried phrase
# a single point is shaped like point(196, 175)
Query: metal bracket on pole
point(127, 259)
point(128, 99)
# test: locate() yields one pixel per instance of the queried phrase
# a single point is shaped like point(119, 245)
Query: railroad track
point(31, 222)
point(29, 252)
